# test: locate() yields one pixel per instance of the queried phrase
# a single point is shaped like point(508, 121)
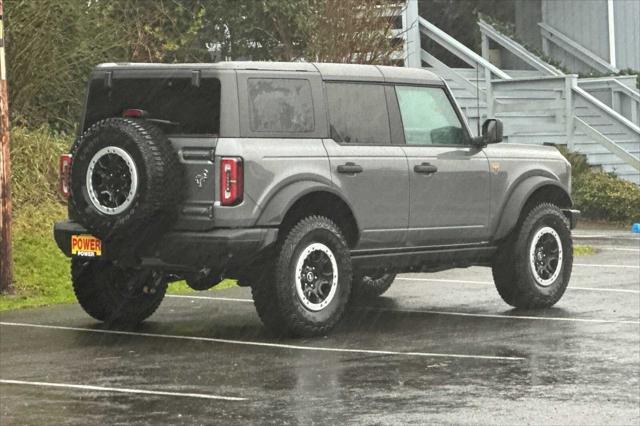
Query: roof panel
point(409, 75)
point(328, 71)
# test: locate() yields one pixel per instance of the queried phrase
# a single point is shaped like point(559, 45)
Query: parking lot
point(439, 347)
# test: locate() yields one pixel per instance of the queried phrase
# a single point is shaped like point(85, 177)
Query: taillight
point(231, 181)
point(65, 172)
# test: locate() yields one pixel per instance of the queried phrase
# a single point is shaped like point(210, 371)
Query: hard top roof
point(328, 71)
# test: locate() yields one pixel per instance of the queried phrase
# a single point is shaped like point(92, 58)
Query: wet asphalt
point(436, 348)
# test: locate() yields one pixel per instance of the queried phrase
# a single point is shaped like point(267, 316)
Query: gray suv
point(314, 184)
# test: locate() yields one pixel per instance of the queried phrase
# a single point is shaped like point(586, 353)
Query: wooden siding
point(528, 14)
point(627, 30)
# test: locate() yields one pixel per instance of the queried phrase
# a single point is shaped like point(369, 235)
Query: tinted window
point(280, 105)
point(358, 113)
point(186, 109)
point(428, 117)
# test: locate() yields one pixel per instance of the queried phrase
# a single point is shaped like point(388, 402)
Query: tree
point(54, 44)
point(353, 31)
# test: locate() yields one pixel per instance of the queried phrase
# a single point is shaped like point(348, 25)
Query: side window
point(279, 105)
point(428, 117)
point(358, 113)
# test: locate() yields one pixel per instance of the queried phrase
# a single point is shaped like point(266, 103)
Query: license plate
point(86, 246)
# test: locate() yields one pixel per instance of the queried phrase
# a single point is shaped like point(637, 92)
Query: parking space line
point(265, 344)
point(228, 299)
point(594, 265)
point(490, 283)
point(604, 237)
point(517, 317)
point(464, 314)
point(120, 390)
point(616, 248)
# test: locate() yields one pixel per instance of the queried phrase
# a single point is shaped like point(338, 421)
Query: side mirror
point(492, 131)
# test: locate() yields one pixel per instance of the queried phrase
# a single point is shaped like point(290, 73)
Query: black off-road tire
point(274, 291)
point(371, 286)
point(96, 285)
point(512, 272)
point(159, 176)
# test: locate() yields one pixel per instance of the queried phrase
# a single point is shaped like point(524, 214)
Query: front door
point(367, 168)
point(449, 179)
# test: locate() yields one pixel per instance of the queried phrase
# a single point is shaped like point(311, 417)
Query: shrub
point(602, 196)
point(34, 165)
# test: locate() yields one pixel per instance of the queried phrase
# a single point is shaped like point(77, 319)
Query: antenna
point(478, 96)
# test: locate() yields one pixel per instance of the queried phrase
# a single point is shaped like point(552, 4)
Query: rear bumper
point(184, 250)
point(573, 216)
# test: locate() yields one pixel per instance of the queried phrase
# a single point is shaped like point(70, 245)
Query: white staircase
point(596, 117)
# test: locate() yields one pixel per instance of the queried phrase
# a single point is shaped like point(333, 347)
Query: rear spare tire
point(124, 173)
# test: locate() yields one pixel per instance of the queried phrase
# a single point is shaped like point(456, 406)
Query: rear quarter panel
point(270, 165)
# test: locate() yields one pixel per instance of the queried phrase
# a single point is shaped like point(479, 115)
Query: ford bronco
point(314, 184)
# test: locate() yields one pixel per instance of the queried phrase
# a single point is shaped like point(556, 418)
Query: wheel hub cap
point(316, 276)
point(112, 180)
point(545, 256)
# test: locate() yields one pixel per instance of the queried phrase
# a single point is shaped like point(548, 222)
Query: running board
point(424, 260)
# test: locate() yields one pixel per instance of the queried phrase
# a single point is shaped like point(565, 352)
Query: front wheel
point(113, 294)
point(532, 268)
point(306, 292)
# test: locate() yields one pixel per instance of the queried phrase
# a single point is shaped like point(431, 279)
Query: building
point(553, 80)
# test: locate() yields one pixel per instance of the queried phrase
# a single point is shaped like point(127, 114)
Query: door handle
point(425, 168)
point(349, 168)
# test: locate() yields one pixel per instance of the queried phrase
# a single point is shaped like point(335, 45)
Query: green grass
point(41, 271)
point(580, 250)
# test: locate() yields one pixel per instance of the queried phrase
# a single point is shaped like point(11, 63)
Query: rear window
point(280, 105)
point(358, 113)
point(183, 107)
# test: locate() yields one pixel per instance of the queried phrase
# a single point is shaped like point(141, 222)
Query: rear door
point(449, 178)
point(365, 165)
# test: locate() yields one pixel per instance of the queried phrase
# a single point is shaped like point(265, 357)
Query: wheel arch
point(301, 199)
point(526, 195)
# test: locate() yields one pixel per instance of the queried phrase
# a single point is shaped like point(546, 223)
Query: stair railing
point(459, 49)
point(550, 34)
point(620, 94)
point(570, 92)
point(521, 52)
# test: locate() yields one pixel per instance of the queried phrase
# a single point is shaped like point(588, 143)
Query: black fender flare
point(522, 191)
point(281, 202)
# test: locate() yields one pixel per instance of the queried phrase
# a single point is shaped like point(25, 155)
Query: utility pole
point(6, 259)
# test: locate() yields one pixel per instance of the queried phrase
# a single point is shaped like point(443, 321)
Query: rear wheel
point(116, 295)
point(305, 293)
point(372, 285)
point(533, 267)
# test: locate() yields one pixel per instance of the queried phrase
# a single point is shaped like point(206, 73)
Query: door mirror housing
point(491, 132)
